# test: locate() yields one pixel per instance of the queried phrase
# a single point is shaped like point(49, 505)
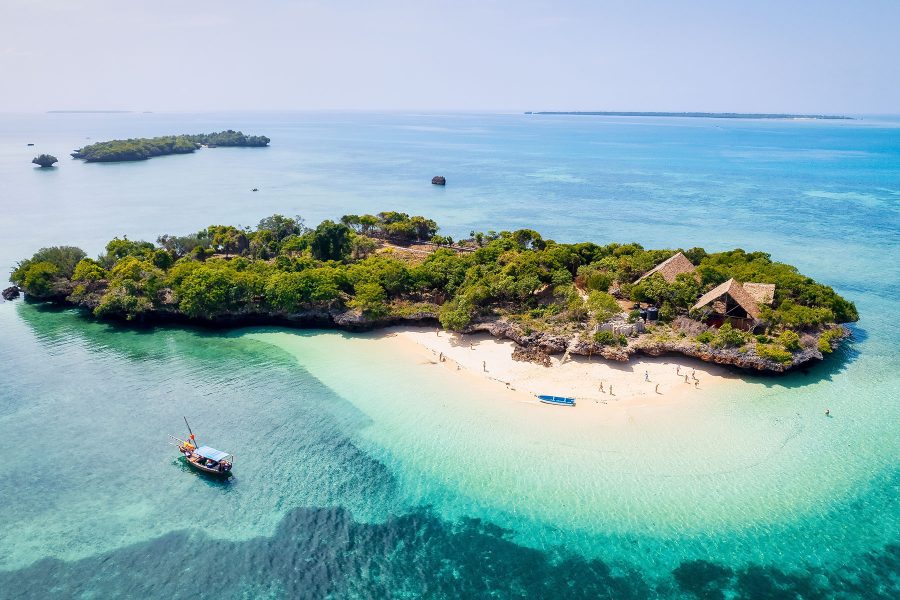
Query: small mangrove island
point(144, 148)
point(365, 271)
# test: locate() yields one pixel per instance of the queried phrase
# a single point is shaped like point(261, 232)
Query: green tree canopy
point(88, 269)
point(330, 241)
point(282, 266)
point(64, 258)
point(371, 299)
point(38, 278)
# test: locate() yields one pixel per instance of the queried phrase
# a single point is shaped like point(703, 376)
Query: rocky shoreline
point(536, 347)
point(11, 293)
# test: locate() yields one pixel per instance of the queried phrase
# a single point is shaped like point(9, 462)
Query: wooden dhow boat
point(205, 458)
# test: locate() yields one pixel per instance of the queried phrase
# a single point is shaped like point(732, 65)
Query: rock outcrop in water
point(44, 160)
point(11, 293)
point(439, 180)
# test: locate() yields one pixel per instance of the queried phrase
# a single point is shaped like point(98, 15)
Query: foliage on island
point(144, 148)
point(45, 160)
point(282, 267)
point(229, 138)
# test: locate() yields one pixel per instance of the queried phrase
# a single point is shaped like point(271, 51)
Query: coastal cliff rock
point(544, 342)
point(538, 347)
point(532, 355)
point(530, 346)
point(439, 180)
point(735, 357)
point(11, 293)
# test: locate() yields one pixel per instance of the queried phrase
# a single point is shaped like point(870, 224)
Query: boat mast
point(193, 441)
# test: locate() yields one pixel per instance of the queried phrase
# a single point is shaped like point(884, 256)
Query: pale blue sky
point(802, 56)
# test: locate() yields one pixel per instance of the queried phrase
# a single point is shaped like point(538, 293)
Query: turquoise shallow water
point(387, 478)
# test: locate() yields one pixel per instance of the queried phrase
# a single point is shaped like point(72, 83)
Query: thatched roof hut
point(729, 299)
point(671, 268)
point(763, 293)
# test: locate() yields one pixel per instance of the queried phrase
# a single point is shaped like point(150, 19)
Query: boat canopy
point(211, 453)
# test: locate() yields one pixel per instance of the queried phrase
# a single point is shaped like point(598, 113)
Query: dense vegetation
point(229, 138)
point(44, 160)
point(144, 148)
point(282, 267)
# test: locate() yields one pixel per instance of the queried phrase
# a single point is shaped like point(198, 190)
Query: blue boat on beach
point(560, 400)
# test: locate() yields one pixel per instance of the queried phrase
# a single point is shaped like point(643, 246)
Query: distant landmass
point(89, 111)
point(707, 115)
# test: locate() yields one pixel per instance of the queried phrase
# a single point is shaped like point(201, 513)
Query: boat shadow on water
point(216, 481)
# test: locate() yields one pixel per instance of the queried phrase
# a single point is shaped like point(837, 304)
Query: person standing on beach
point(657, 388)
point(484, 366)
point(678, 370)
point(601, 387)
point(646, 375)
point(685, 378)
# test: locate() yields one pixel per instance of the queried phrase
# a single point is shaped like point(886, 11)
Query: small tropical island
point(44, 160)
point(363, 272)
point(144, 148)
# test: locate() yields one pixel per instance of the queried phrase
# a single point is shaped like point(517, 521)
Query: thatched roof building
point(763, 293)
point(730, 299)
point(671, 268)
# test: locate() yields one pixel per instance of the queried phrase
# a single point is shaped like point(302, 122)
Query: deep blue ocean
point(336, 495)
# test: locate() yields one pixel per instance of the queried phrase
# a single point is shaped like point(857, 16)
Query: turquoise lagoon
point(363, 471)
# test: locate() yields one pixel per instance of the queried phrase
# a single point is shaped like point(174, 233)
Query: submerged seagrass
point(372, 270)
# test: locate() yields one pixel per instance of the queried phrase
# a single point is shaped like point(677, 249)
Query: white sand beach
point(623, 384)
point(458, 436)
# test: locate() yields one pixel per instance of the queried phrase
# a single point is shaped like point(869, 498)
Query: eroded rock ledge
point(534, 347)
point(544, 344)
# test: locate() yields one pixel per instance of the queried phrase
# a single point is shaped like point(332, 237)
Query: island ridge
point(366, 271)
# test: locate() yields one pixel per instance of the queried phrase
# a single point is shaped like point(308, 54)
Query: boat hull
point(207, 470)
point(557, 400)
